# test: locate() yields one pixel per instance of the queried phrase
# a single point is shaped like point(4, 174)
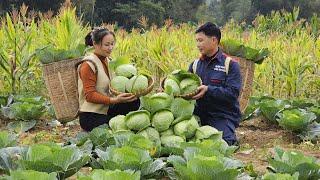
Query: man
point(217, 100)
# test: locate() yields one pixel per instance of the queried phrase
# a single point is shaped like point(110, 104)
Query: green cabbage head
point(137, 83)
point(172, 140)
point(162, 120)
point(138, 120)
point(186, 128)
point(295, 120)
point(151, 134)
point(119, 83)
point(126, 70)
point(156, 102)
point(171, 86)
point(207, 132)
point(188, 85)
point(167, 132)
point(118, 123)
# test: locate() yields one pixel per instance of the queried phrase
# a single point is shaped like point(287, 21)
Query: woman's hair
point(96, 35)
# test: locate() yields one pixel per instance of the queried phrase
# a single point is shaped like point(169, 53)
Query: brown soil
point(258, 137)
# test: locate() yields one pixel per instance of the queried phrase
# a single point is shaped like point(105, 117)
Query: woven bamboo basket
point(61, 81)
point(137, 94)
point(247, 74)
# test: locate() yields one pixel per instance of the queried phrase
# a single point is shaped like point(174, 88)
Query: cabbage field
point(279, 132)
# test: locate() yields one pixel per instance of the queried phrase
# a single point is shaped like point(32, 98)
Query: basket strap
point(80, 62)
point(94, 64)
point(77, 72)
point(194, 66)
point(227, 64)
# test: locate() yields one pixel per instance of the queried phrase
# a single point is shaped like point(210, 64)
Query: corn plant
point(17, 53)
point(64, 36)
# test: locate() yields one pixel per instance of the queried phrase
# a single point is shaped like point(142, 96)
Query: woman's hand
point(123, 98)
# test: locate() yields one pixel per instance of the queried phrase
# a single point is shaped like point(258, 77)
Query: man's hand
point(202, 91)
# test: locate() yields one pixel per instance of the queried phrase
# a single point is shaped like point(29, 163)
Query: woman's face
point(106, 46)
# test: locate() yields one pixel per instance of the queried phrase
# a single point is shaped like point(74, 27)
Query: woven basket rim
point(139, 93)
point(61, 61)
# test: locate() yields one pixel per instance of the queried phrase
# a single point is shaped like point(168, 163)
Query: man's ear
point(214, 39)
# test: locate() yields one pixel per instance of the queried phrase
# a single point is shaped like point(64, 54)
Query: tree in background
point(182, 10)
point(36, 5)
point(126, 13)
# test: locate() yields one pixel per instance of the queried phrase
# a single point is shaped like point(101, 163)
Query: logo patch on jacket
point(216, 81)
point(219, 68)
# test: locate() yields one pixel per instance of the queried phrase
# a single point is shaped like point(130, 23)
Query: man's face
point(206, 44)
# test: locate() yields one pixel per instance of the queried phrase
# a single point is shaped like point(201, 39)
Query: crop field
point(279, 132)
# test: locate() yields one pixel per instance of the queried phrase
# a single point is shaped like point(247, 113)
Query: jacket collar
point(218, 56)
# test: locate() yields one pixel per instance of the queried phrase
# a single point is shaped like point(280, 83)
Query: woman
point(96, 105)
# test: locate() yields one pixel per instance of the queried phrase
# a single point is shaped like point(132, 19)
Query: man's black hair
point(210, 29)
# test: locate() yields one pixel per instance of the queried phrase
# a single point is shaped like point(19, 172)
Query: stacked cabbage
point(165, 120)
point(128, 80)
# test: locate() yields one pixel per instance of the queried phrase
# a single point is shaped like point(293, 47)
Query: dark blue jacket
point(221, 100)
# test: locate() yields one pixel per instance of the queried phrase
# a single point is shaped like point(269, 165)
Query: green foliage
point(291, 162)
point(279, 176)
point(27, 111)
point(295, 120)
point(17, 53)
point(7, 139)
point(198, 166)
point(53, 158)
point(269, 108)
point(21, 126)
point(30, 175)
point(126, 157)
point(110, 175)
point(207, 132)
point(65, 37)
point(234, 48)
point(8, 158)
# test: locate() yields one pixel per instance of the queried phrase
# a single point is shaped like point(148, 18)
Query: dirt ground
point(258, 137)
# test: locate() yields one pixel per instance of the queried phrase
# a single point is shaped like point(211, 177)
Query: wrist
point(206, 88)
point(114, 100)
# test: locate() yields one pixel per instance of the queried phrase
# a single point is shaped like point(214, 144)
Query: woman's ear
point(95, 45)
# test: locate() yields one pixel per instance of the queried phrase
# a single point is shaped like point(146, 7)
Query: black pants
point(89, 120)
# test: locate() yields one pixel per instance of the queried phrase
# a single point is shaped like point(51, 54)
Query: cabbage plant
point(295, 120)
